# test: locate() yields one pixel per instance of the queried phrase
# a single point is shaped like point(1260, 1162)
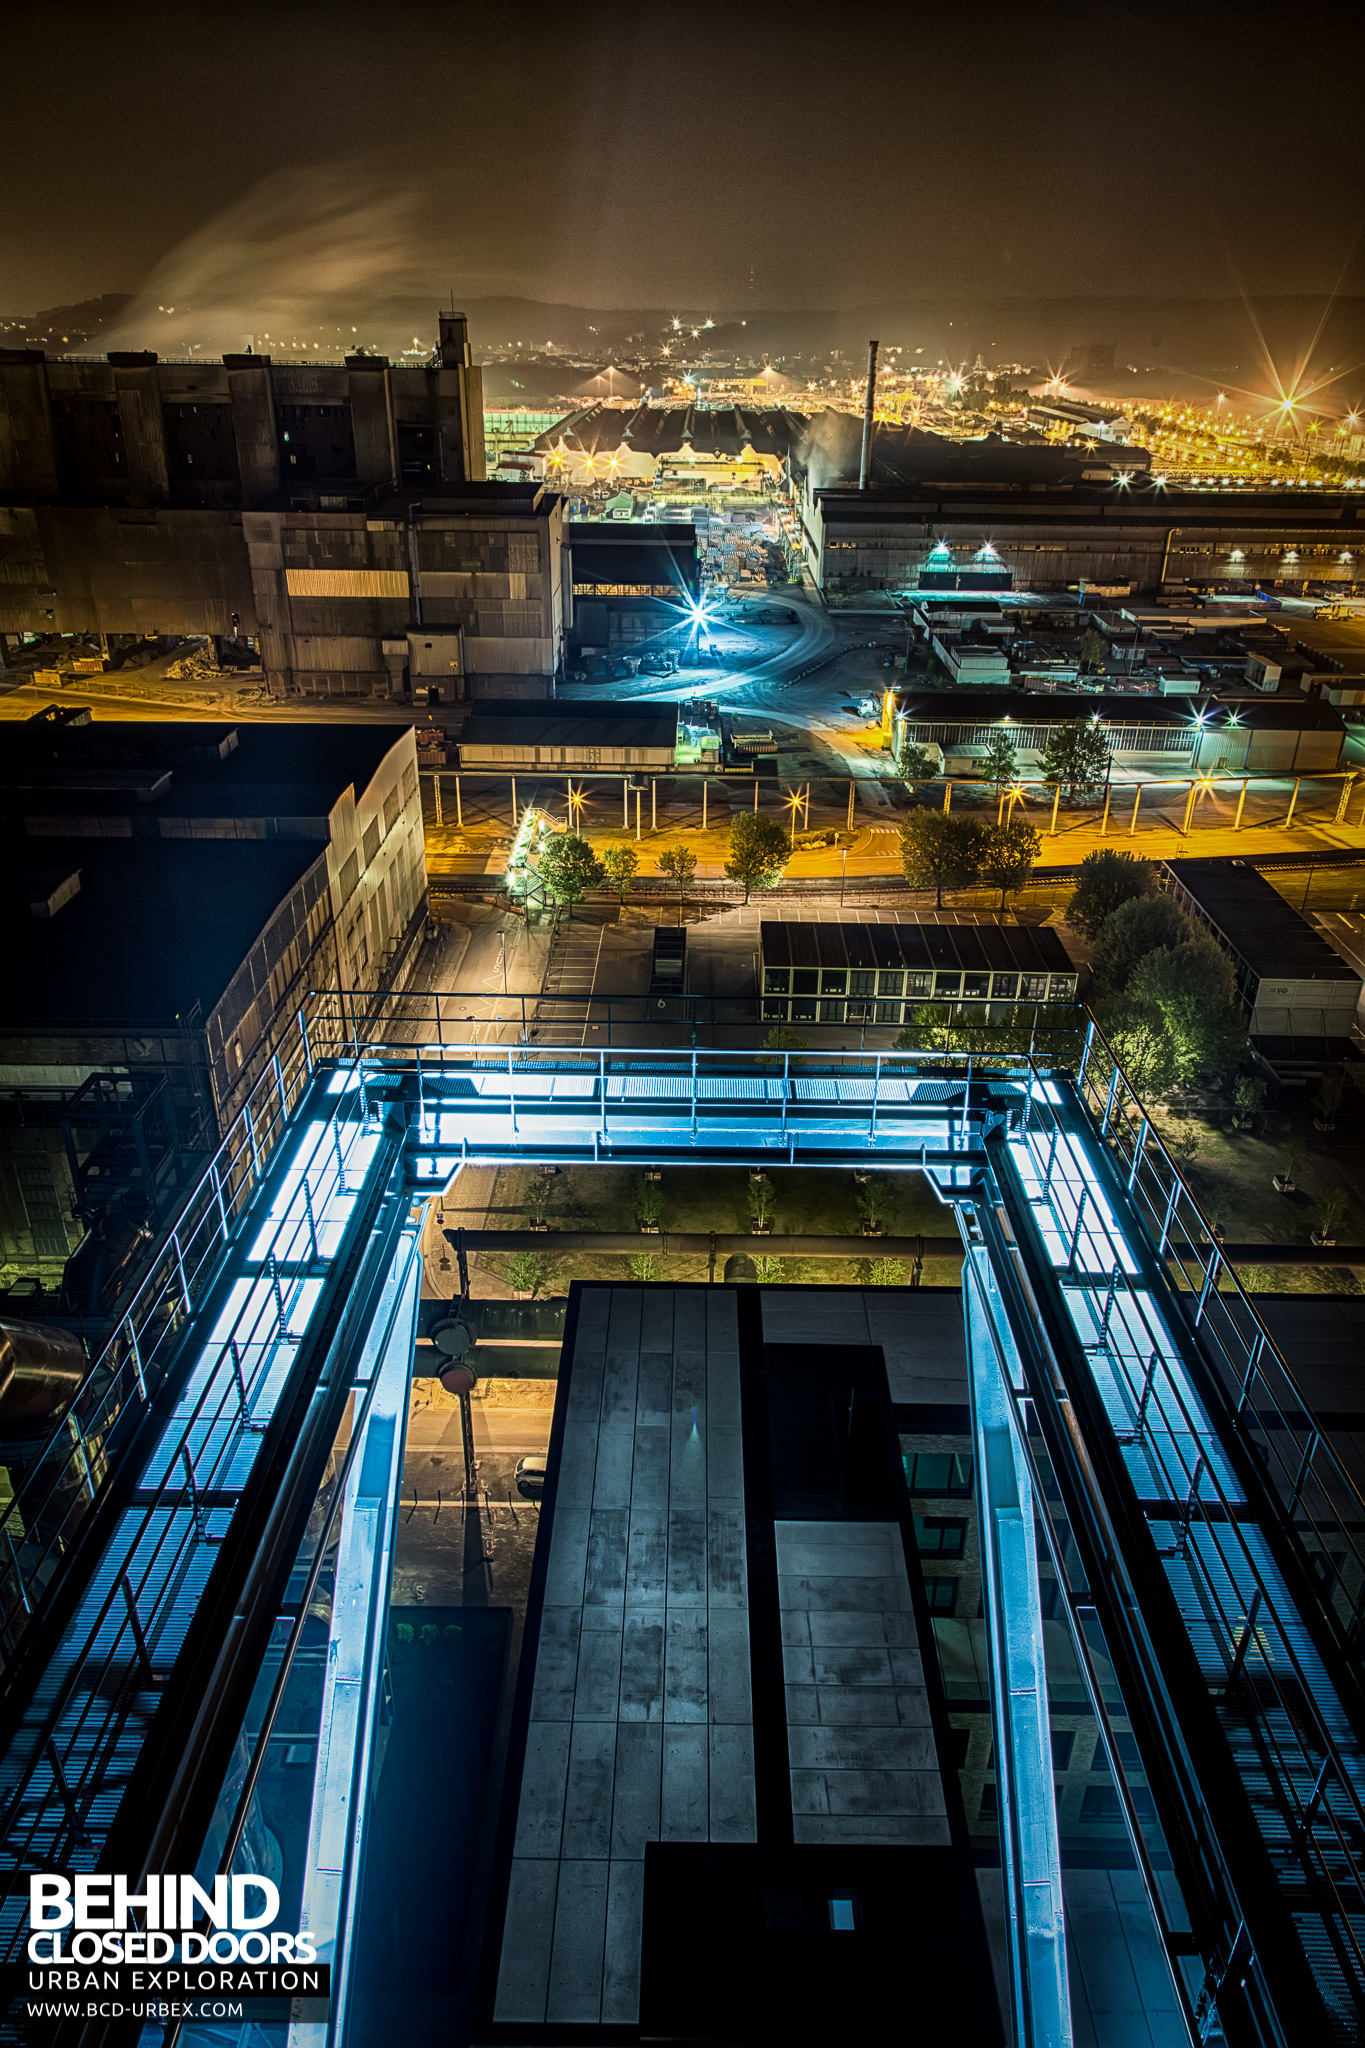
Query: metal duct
point(40, 1372)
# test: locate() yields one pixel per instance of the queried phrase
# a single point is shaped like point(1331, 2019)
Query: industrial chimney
point(866, 462)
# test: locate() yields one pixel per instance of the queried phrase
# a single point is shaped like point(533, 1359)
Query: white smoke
point(831, 448)
point(304, 257)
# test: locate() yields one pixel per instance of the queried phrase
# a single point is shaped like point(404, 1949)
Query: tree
point(783, 1039)
point(1145, 1052)
point(1007, 856)
point(527, 1272)
point(873, 1203)
point(620, 865)
point(1142, 925)
point(644, 1266)
point(761, 1201)
point(649, 1201)
point(886, 1272)
point(770, 1270)
point(1077, 757)
point(1000, 763)
point(1094, 648)
point(1105, 881)
point(1191, 989)
point(758, 851)
point(940, 853)
point(917, 764)
point(680, 864)
point(569, 868)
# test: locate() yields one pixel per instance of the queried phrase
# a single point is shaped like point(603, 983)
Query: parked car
point(531, 1476)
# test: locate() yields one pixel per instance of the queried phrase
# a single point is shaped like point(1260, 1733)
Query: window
point(844, 1917)
point(834, 983)
point(1035, 988)
point(1126, 1745)
point(1101, 1803)
point(919, 984)
point(976, 984)
point(941, 1595)
point(409, 782)
point(862, 984)
point(888, 1013)
point(892, 982)
point(832, 1013)
point(805, 981)
point(958, 1739)
point(1006, 985)
point(370, 843)
point(776, 981)
point(775, 1011)
point(1063, 1741)
point(940, 1535)
point(938, 1472)
point(948, 985)
point(392, 806)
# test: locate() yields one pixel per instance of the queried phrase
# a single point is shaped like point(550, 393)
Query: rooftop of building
point(1141, 502)
point(211, 768)
point(591, 723)
point(657, 430)
point(1261, 928)
point(1025, 949)
point(985, 706)
point(155, 928)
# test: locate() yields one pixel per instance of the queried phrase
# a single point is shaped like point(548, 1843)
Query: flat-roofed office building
point(882, 973)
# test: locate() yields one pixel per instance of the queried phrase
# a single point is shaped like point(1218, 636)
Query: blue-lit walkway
point(247, 1423)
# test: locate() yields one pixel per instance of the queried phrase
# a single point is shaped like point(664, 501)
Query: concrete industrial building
point(336, 517)
point(1054, 534)
point(630, 589)
point(174, 891)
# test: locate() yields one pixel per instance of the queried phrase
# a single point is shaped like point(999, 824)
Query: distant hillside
point(58, 327)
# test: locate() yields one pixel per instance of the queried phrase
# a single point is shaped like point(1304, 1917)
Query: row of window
point(917, 985)
point(806, 1010)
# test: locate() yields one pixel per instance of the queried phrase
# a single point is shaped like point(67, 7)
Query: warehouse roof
point(155, 927)
point(1026, 949)
point(246, 770)
point(585, 724)
point(985, 706)
point(1264, 931)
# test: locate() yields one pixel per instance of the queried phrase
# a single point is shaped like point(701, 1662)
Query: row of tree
point(568, 864)
point(939, 851)
point(1075, 759)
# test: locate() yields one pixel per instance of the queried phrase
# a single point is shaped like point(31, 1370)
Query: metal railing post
point(137, 1357)
point(511, 1092)
point(180, 1268)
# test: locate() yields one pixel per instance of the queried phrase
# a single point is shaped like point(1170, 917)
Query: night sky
point(660, 155)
